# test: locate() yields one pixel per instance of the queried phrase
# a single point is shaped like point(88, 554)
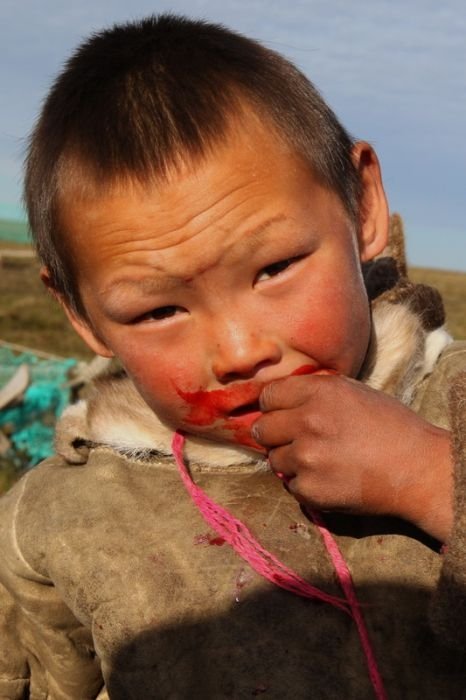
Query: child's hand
point(343, 446)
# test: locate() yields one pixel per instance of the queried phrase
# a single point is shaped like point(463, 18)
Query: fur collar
point(402, 353)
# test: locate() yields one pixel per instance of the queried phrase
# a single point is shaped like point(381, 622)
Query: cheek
point(316, 322)
point(156, 377)
point(331, 326)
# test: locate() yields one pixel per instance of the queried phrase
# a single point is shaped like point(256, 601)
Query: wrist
point(428, 497)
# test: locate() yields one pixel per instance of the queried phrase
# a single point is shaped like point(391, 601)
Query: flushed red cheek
point(314, 330)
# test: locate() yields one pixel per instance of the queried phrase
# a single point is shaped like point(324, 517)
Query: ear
point(373, 207)
point(82, 327)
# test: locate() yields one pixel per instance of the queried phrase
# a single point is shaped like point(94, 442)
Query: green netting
point(30, 424)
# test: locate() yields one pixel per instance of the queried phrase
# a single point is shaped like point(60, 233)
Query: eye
point(160, 314)
point(276, 268)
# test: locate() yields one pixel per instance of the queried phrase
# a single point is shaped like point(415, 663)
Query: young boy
point(202, 215)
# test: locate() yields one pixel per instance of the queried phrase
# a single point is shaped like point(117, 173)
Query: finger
point(292, 391)
point(285, 393)
point(281, 463)
point(276, 428)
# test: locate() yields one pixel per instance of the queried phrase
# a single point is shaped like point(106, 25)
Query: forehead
point(229, 198)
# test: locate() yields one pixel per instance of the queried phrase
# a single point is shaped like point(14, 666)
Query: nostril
point(238, 375)
point(231, 377)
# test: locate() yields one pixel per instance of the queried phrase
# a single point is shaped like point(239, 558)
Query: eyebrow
point(254, 239)
point(114, 293)
point(160, 283)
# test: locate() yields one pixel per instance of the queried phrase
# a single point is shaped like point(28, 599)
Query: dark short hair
point(135, 98)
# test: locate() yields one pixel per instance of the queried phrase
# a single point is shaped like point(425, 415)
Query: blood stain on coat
point(217, 541)
point(208, 538)
point(300, 529)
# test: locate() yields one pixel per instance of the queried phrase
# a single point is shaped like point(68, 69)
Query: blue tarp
point(30, 424)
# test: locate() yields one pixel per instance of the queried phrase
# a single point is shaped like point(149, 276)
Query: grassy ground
point(29, 316)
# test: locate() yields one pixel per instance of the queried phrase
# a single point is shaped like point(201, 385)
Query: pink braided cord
point(243, 542)
point(267, 565)
point(346, 583)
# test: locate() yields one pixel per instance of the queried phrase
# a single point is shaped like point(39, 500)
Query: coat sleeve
point(14, 669)
point(71, 550)
point(448, 610)
point(44, 650)
point(14, 672)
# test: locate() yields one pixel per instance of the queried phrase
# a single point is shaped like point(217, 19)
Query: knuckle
point(307, 421)
point(267, 397)
point(257, 430)
point(302, 454)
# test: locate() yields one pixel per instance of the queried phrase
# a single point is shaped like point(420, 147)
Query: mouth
point(240, 419)
point(206, 407)
point(245, 409)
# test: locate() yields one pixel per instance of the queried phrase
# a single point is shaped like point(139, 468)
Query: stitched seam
point(169, 465)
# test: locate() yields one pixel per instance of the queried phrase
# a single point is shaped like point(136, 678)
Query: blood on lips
point(209, 406)
point(304, 369)
point(237, 407)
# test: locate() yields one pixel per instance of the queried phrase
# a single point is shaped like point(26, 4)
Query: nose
point(241, 350)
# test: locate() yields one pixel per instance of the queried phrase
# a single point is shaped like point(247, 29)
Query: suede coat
point(112, 585)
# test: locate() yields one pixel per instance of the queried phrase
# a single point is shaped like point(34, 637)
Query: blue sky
point(392, 70)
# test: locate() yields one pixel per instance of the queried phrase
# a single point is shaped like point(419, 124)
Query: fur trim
point(116, 416)
point(401, 352)
point(407, 333)
point(435, 344)
point(71, 434)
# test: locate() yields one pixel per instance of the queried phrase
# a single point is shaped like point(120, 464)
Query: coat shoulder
point(432, 397)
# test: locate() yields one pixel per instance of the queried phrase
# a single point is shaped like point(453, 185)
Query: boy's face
point(238, 271)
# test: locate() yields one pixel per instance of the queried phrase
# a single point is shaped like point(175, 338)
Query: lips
point(206, 407)
point(304, 369)
point(236, 404)
point(239, 421)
